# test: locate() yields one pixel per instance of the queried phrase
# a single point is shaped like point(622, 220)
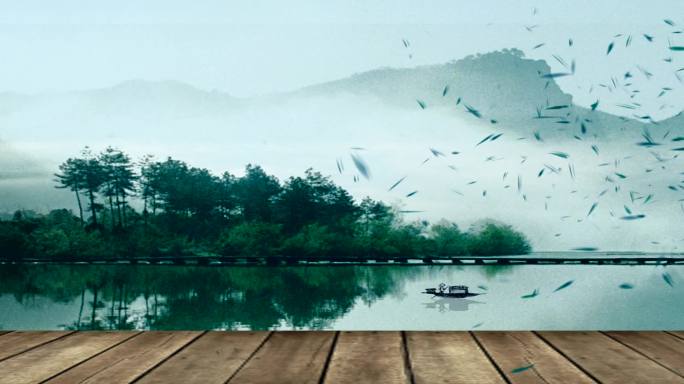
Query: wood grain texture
point(368, 357)
point(511, 350)
point(14, 343)
point(352, 357)
point(42, 363)
point(288, 357)
point(607, 360)
point(211, 359)
point(129, 360)
point(662, 347)
point(449, 357)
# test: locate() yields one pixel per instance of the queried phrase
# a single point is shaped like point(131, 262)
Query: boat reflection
point(444, 304)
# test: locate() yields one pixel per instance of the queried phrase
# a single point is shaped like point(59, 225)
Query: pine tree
point(119, 181)
point(71, 177)
point(94, 176)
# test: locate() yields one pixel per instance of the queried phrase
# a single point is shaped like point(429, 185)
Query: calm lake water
point(339, 297)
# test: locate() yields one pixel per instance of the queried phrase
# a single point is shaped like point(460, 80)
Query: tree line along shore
point(170, 208)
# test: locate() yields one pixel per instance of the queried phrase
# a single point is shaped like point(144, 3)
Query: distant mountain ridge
point(501, 81)
point(502, 86)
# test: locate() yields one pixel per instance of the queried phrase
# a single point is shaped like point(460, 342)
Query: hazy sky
point(251, 48)
point(257, 47)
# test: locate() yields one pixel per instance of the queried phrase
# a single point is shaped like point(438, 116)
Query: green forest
point(170, 208)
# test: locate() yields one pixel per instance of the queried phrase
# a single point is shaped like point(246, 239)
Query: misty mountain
point(515, 178)
point(134, 97)
point(503, 86)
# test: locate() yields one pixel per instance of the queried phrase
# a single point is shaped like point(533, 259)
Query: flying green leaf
point(522, 369)
point(534, 293)
point(593, 207)
point(560, 154)
point(485, 139)
point(397, 183)
point(564, 285)
point(472, 111)
point(633, 217)
point(585, 249)
point(361, 166)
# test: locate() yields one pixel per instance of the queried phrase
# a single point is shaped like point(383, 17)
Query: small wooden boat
point(457, 291)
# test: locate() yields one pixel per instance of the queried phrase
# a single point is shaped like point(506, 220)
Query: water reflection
point(339, 297)
point(443, 304)
point(170, 297)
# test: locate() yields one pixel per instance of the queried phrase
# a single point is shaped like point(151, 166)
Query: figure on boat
point(444, 290)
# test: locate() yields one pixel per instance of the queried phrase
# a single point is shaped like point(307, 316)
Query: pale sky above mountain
point(260, 47)
point(254, 48)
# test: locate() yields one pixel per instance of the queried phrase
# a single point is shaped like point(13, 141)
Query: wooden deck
point(341, 357)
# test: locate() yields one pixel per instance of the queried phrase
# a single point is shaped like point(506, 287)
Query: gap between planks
point(607, 360)
point(18, 342)
point(346, 357)
point(663, 348)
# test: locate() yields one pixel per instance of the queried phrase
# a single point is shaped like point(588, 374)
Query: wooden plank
point(288, 357)
point(368, 357)
point(14, 343)
point(607, 360)
point(679, 334)
point(448, 357)
point(50, 359)
point(666, 349)
point(212, 358)
point(129, 360)
point(511, 350)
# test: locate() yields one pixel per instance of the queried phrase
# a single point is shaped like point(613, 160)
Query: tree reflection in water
point(172, 297)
